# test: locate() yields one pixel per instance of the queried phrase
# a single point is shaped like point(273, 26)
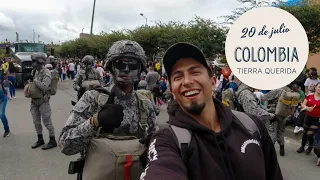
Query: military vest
point(103, 96)
point(89, 79)
point(89, 76)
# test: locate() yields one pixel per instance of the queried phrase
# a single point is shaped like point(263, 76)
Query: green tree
point(309, 17)
point(205, 34)
point(154, 39)
point(3, 53)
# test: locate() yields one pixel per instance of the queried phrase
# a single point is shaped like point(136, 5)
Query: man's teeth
point(190, 93)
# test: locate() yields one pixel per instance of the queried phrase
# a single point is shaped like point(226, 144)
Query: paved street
point(19, 162)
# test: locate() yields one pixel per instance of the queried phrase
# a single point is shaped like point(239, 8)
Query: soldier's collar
point(122, 95)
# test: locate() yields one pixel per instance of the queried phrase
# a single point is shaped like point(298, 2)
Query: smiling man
point(206, 140)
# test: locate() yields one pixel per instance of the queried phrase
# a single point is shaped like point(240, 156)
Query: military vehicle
point(22, 54)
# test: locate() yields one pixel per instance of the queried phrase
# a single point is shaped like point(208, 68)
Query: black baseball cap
point(182, 50)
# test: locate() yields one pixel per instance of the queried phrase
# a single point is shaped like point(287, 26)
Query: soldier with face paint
point(125, 60)
point(40, 108)
point(87, 77)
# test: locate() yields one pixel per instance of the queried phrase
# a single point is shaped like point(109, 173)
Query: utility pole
point(94, 5)
point(17, 37)
point(38, 38)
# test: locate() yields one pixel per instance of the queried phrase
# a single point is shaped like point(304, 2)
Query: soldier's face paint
point(126, 71)
point(191, 85)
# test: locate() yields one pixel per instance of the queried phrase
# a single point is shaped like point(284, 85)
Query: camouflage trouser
point(265, 120)
point(43, 110)
point(277, 129)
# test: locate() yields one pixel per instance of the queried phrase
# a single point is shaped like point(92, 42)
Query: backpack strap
point(183, 136)
point(183, 139)
point(237, 105)
point(143, 123)
point(247, 122)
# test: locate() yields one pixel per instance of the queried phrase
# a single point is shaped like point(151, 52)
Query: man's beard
point(195, 108)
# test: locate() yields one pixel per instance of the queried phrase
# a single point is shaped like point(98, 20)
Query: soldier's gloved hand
point(109, 117)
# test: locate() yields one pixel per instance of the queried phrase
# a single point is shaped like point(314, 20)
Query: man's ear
point(213, 84)
point(174, 97)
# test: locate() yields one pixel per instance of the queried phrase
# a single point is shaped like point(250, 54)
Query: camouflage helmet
point(40, 58)
point(126, 49)
point(87, 59)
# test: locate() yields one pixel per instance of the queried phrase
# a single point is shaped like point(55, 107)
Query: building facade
point(314, 2)
point(82, 35)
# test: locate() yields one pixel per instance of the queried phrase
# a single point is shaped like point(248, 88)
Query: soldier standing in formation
point(85, 74)
point(40, 108)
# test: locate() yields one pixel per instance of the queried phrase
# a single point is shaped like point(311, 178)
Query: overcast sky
point(56, 20)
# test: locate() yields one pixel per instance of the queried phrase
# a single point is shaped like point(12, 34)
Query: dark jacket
point(213, 155)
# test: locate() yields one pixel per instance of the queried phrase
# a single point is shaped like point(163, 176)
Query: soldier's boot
point(282, 150)
point(39, 143)
point(52, 143)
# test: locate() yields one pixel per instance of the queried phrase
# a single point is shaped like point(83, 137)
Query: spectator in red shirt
point(311, 122)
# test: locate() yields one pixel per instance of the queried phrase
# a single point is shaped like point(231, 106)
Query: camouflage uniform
point(77, 133)
point(91, 74)
point(40, 108)
point(250, 105)
point(148, 94)
point(86, 73)
point(276, 128)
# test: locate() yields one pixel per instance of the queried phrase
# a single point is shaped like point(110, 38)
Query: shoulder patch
point(102, 99)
